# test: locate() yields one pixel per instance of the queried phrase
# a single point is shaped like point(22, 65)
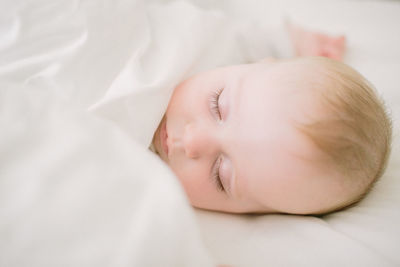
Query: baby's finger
point(339, 41)
point(334, 52)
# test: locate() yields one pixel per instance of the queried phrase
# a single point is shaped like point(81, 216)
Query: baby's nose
point(196, 141)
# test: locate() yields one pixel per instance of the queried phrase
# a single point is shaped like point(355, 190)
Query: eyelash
point(216, 177)
point(214, 102)
point(215, 109)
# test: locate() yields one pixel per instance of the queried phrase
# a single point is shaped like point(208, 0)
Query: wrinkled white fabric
point(172, 42)
point(76, 192)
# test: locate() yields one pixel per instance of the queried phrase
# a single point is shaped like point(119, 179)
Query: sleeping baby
point(306, 135)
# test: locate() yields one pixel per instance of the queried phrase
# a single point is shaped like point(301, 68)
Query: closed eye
point(215, 110)
point(214, 103)
point(216, 176)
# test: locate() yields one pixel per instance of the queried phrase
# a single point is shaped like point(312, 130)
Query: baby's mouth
point(164, 137)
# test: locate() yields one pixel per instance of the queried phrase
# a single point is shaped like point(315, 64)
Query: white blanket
point(75, 190)
point(81, 188)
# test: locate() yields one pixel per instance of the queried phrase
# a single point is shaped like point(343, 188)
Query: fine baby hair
point(355, 130)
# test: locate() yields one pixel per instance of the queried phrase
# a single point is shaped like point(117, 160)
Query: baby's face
point(229, 136)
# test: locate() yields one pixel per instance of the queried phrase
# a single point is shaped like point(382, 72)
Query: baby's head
point(301, 136)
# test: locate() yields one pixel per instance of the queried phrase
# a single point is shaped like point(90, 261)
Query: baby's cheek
point(198, 188)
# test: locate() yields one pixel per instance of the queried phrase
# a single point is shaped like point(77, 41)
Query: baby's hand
point(308, 43)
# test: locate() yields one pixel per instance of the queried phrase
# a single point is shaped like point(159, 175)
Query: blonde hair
point(356, 134)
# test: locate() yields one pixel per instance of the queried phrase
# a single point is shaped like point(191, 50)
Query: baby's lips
point(164, 138)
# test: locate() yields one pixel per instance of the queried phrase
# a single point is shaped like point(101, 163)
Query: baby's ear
point(268, 60)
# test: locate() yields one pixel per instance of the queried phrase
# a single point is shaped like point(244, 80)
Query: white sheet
point(76, 190)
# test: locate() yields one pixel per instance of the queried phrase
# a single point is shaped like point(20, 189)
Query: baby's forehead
point(285, 88)
point(289, 77)
point(265, 112)
point(267, 109)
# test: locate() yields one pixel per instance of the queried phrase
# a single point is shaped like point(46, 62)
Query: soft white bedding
point(79, 187)
point(75, 190)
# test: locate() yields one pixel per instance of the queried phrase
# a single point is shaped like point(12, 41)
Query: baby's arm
point(285, 40)
point(308, 43)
